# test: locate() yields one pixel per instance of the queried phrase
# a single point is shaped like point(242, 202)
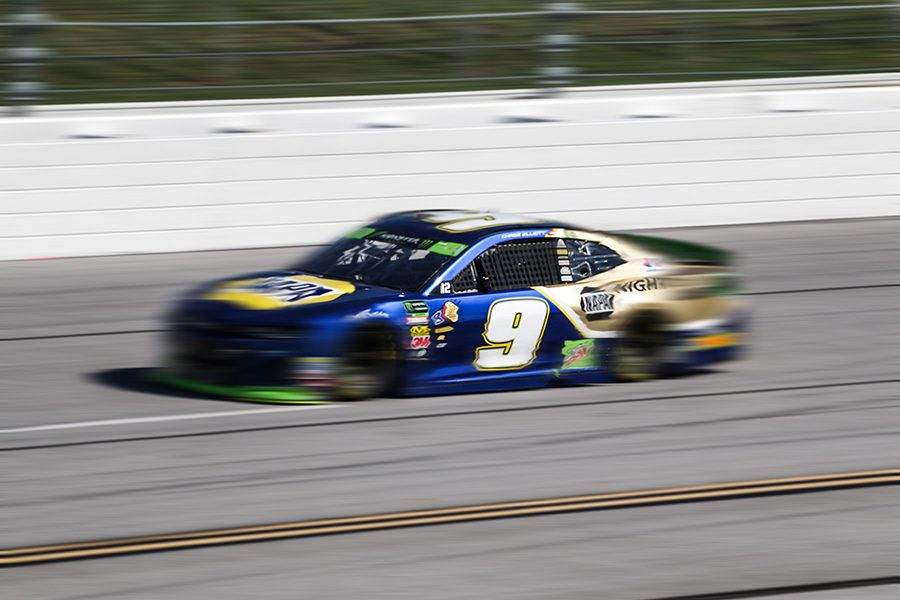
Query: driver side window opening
point(466, 281)
point(510, 266)
point(519, 265)
point(543, 262)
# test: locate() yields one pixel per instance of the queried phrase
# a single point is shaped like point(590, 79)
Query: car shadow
point(138, 380)
point(694, 372)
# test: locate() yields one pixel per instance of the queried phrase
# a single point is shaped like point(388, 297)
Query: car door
point(489, 322)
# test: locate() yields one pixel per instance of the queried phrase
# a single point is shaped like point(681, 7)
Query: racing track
point(90, 454)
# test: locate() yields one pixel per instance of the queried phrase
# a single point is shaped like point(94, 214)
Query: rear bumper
point(722, 343)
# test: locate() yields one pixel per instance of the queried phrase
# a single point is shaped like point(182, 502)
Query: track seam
point(802, 588)
point(449, 515)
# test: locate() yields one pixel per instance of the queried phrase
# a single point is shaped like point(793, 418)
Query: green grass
point(647, 55)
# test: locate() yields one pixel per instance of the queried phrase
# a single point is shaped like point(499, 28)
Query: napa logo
point(280, 291)
point(287, 289)
point(596, 303)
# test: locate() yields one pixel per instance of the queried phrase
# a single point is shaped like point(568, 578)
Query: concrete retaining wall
point(113, 183)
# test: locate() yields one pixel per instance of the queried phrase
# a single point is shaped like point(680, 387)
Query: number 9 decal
point(513, 331)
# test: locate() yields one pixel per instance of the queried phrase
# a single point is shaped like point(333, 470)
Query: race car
point(445, 301)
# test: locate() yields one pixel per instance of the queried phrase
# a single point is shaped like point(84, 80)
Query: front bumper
point(212, 360)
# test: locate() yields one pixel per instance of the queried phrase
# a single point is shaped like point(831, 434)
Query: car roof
point(433, 224)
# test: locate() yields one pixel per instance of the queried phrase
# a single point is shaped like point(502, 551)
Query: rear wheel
point(643, 351)
point(370, 365)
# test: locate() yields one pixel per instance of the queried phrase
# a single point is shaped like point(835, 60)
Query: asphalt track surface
point(89, 453)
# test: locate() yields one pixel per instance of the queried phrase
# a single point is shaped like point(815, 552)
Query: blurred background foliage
point(115, 64)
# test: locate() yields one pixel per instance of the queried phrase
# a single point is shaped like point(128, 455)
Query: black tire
point(370, 365)
point(643, 351)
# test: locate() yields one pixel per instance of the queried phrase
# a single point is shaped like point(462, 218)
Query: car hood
point(272, 295)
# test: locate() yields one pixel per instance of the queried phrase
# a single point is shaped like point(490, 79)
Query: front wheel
point(370, 365)
point(643, 351)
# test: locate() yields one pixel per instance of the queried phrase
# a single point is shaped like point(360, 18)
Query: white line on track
point(161, 418)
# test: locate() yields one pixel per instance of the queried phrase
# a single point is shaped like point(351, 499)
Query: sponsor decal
point(447, 248)
point(280, 291)
point(441, 345)
point(562, 259)
point(420, 342)
point(596, 304)
point(286, 289)
point(417, 320)
point(415, 307)
point(419, 330)
point(447, 329)
point(449, 312)
point(578, 354)
point(651, 265)
point(441, 338)
point(640, 285)
point(425, 245)
point(559, 232)
point(408, 240)
point(715, 340)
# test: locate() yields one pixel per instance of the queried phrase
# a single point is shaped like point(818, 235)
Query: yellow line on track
point(297, 529)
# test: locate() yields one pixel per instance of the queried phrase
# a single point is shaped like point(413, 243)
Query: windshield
point(382, 258)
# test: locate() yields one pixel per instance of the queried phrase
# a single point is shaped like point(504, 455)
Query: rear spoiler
point(687, 253)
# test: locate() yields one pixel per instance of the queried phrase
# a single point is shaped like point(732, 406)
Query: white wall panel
point(170, 183)
point(277, 196)
point(61, 151)
point(460, 161)
point(462, 178)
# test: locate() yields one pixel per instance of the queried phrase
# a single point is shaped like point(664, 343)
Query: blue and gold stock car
point(457, 301)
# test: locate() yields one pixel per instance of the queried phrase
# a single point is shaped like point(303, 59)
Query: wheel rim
point(368, 373)
point(640, 353)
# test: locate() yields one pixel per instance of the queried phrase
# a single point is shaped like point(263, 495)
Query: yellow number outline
point(507, 346)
